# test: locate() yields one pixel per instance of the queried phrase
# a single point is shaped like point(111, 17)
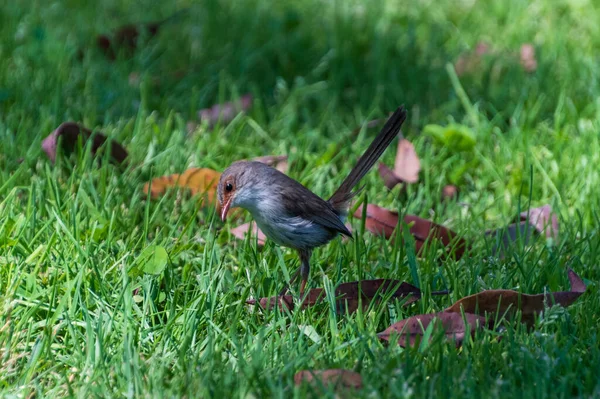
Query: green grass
point(73, 322)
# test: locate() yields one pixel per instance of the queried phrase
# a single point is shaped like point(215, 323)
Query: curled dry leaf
point(69, 134)
point(541, 219)
point(527, 57)
point(544, 221)
point(383, 221)
point(243, 230)
point(196, 180)
point(340, 378)
point(406, 167)
point(225, 112)
point(351, 296)
point(279, 162)
point(411, 330)
point(508, 302)
point(125, 39)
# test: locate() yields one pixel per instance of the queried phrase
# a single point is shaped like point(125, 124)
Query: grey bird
point(290, 214)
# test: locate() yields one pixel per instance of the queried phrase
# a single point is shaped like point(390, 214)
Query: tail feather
point(340, 200)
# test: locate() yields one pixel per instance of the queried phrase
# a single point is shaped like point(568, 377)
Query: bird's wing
point(329, 218)
point(300, 201)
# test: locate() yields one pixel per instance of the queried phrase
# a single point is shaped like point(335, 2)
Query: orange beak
point(225, 208)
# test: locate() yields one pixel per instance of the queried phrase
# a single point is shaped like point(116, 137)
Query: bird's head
point(240, 185)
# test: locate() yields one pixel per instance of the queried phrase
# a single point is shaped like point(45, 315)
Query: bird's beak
point(225, 208)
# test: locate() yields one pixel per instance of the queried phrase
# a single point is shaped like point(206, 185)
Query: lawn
point(84, 313)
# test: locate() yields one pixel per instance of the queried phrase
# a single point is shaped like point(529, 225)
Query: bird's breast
point(294, 232)
point(284, 229)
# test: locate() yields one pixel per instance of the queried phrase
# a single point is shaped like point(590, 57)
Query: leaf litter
point(68, 134)
point(351, 296)
point(339, 378)
point(406, 167)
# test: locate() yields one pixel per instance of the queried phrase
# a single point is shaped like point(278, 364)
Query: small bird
point(290, 214)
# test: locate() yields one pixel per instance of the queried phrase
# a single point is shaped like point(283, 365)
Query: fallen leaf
point(225, 112)
point(340, 378)
point(279, 162)
point(69, 133)
point(508, 235)
point(242, 230)
point(413, 329)
point(544, 221)
point(125, 39)
point(527, 57)
point(349, 296)
point(541, 219)
point(196, 180)
point(311, 298)
point(383, 221)
point(449, 192)
point(508, 302)
point(406, 167)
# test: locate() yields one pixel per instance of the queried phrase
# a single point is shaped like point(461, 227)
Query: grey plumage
point(289, 213)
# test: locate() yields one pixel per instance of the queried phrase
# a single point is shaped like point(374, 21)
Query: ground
point(75, 320)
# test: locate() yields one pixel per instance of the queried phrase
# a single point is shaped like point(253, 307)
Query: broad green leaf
point(153, 259)
point(455, 137)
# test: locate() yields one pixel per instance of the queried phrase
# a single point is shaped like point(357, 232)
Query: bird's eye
point(228, 187)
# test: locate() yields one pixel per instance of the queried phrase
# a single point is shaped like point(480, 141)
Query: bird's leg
point(292, 280)
point(304, 268)
point(302, 271)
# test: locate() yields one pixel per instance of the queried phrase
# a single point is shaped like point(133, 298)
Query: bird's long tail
point(340, 200)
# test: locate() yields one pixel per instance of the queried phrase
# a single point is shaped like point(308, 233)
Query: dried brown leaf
point(406, 167)
point(383, 221)
point(508, 302)
point(225, 112)
point(527, 57)
point(351, 296)
point(313, 297)
point(541, 219)
point(449, 192)
point(125, 38)
point(411, 330)
point(389, 177)
point(69, 134)
point(544, 221)
point(340, 378)
point(508, 235)
point(197, 180)
point(243, 230)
